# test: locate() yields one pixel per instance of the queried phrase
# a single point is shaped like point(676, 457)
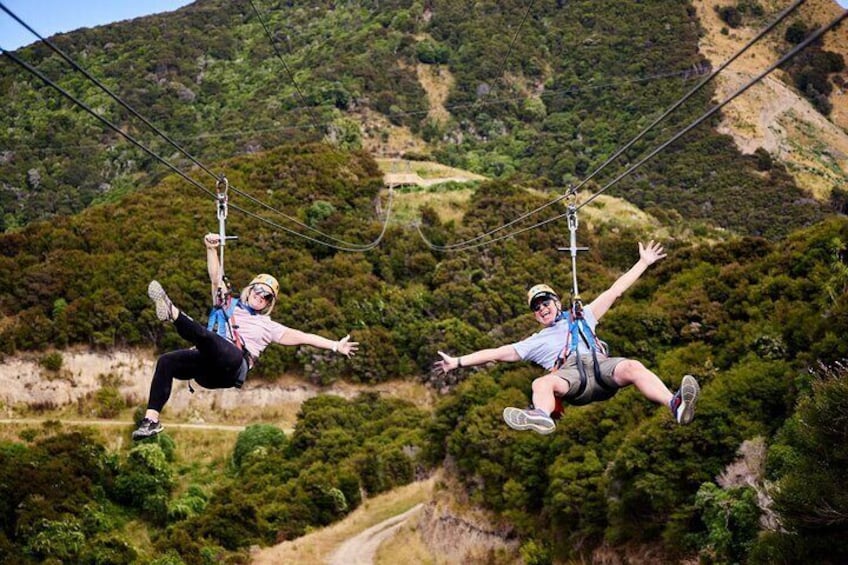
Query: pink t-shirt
point(256, 330)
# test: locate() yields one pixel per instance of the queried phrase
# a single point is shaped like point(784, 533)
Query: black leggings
point(213, 362)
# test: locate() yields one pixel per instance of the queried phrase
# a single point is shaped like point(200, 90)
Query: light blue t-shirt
point(544, 346)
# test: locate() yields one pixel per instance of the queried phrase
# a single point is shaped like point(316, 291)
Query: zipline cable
point(514, 39)
point(688, 73)
point(573, 190)
point(82, 105)
point(787, 57)
point(347, 245)
point(359, 249)
point(286, 67)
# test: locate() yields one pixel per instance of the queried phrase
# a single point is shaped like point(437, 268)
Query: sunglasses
point(542, 304)
point(262, 293)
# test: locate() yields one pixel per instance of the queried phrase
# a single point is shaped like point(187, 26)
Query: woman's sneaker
point(533, 419)
point(683, 402)
point(147, 428)
point(160, 299)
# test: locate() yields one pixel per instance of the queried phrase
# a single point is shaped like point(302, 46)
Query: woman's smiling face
point(260, 296)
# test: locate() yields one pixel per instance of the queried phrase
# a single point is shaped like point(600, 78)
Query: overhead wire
point(688, 73)
point(192, 181)
point(88, 109)
point(573, 190)
point(515, 38)
point(344, 245)
point(357, 249)
point(285, 66)
point(787, 57)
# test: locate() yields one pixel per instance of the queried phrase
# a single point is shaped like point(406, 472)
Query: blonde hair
point(245, 295)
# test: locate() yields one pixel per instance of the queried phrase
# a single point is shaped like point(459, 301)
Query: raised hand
point(346, 347)
point(652, 252)
point(211, 240)
point(446, 364)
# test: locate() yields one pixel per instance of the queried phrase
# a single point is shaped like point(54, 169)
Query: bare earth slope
point(771, 114)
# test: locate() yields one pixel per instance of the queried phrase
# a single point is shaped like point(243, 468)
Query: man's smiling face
point(546, 310)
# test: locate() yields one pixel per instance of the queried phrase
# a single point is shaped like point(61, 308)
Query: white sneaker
point(683, 402)
point(534, 419)
point(160, 299)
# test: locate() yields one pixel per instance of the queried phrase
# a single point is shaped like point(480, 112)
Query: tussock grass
point(450, 206)
point(406, 546)
point(425, 169)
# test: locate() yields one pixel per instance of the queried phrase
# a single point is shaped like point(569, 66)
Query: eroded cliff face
point(25, 383)
point(771, 114)
point(464, 538)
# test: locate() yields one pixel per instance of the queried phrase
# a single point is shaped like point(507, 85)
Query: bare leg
point(544, 389)
point(631, 372)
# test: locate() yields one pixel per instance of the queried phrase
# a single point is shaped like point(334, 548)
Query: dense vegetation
point(812, 69)
point(746, 319)
point(77, 503)
point(573, 83)
point(748, 316)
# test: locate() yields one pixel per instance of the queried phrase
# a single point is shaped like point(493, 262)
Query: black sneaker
point(683, 402)
point(533, 419)
point(147, 428)
point(160, 299)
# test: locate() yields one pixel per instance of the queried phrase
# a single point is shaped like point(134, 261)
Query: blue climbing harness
point(219, 319)
point(579, 330)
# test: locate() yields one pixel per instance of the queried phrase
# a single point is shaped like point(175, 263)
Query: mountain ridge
point(212, 80)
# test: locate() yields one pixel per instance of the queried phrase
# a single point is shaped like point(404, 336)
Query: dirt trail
point(360, 549)
point(124, 423)
point(356, 538)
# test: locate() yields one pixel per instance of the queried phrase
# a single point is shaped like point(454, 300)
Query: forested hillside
point(547, 94)
point(751, 299)
point(747, 317)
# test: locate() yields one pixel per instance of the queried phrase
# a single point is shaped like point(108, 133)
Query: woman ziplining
point(580, 370)
point(239, 330)
point(222, 360)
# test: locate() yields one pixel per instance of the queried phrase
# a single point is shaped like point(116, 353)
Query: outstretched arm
point(648, 255)
point(297, 337)
point(213, 264)
point(502, 353)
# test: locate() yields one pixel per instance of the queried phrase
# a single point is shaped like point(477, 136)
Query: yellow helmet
point(540, 291)
point(268, 281)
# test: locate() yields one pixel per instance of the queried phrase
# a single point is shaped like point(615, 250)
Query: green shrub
point(189, 504)
point(108, 550)
point(732, 520)
point(145, 478)
point(257, 437)
point(59, 539)
point(108, 402)
point(809, 463)
point(535, 553)
point(51, 361)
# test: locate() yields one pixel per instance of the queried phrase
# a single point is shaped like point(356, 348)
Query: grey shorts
point(594, 391)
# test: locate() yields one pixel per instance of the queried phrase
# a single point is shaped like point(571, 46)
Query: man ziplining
point(580, 370)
